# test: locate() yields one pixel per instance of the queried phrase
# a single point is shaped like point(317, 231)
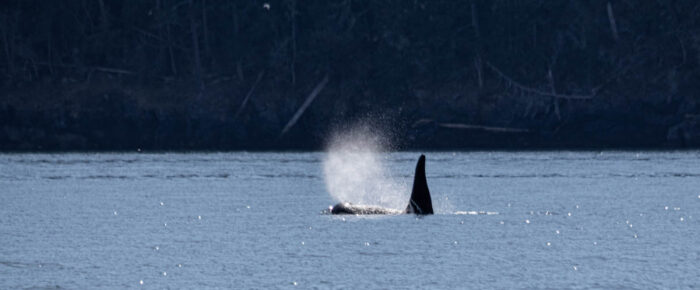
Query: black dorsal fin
point(420, 202)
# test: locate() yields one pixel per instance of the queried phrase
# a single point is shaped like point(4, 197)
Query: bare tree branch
point(512, 83)
point(247, 96)
point(305, 105)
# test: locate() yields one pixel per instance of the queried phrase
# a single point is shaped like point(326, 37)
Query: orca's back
point(420, 202)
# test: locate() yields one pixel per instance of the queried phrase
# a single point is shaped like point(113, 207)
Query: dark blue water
point(252, 220)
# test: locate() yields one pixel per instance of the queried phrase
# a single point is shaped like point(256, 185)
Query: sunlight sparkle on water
point(234, 239)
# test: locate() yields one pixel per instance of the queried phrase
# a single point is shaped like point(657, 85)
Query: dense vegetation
point(209, 74)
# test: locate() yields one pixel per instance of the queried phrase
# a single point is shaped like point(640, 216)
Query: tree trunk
point(173, 67)
point(239, 66)
point(195, 50)
point(6, 39)
point(613, 24)
point(205, 29)
point(294, 42)
point(477, 60)
point(49, 55)
point(104, 21)
point(555, 99)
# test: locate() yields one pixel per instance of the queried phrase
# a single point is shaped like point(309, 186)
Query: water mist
point(354, 170)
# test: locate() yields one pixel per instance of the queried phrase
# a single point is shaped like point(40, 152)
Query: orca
point(420, 202)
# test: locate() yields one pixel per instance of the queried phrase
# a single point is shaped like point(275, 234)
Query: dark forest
point(283, 74)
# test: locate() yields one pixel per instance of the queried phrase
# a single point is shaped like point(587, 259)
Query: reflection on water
point(252, 220)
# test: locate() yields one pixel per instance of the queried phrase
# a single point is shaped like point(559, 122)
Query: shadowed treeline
point(282, 74)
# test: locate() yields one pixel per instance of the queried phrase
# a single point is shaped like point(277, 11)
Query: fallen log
point(483, 128)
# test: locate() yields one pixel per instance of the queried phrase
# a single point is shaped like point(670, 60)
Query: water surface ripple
point(252, 220)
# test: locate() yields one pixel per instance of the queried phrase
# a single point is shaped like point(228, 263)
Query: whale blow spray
point(354, 170)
